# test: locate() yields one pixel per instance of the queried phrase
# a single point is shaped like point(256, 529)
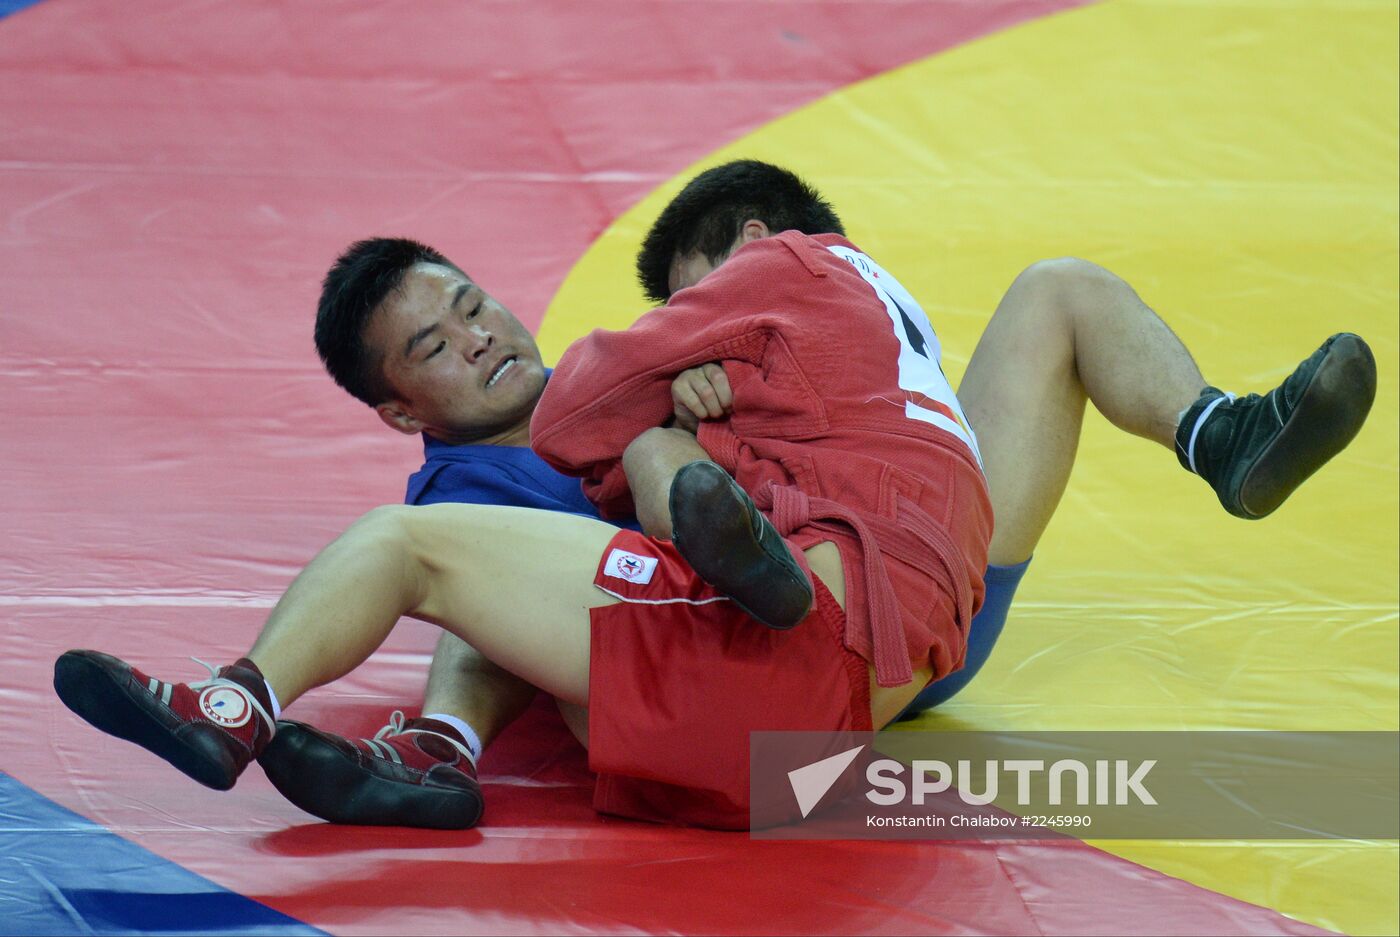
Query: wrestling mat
point(175, 177)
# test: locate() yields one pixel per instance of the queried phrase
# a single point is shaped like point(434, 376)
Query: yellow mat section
point(1236, 162)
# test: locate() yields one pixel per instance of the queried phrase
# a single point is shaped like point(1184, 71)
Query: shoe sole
point(318, 777)
point(711, 529)
point(107, 703)
point(1328, 416)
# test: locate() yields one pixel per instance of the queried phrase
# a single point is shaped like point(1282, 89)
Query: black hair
point(354, 287)
point(710, 211)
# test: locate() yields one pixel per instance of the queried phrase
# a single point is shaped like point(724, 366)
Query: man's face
point(459, 365)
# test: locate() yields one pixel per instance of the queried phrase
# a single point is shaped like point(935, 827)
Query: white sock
point(276, 706)
point(468, 733)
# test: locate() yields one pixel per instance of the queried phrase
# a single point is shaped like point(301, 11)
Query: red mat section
point(174, 180)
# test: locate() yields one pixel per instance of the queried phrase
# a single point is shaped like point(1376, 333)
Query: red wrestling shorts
point(679, 676)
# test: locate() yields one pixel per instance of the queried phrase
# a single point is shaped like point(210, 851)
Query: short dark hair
point(710, 211)
point(354, 287)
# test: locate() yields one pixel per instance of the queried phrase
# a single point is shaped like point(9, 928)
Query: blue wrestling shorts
point(981, 638)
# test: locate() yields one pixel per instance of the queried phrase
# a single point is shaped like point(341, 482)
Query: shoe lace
point(214, 677)
point(396, 726)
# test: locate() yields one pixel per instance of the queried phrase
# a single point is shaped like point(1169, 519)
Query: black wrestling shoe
point(412, 773)
point(734, 548)
point(1255, 451)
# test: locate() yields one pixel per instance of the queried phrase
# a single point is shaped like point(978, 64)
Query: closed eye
point(440, 347)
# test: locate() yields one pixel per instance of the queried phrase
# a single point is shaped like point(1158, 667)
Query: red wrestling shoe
point(416, 772)
point(209, 730)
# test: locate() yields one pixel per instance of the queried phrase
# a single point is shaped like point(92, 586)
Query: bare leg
point(1066, 331)
point(515, 584)
point(463, 683)
point(651, 462)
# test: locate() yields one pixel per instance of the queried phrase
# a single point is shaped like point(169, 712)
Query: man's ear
point(396, 417)
point(753, 230)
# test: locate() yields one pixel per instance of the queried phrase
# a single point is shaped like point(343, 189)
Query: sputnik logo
point(811, 782)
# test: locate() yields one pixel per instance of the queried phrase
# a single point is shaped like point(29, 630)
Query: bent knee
point(385, 520)
point(427, 531)
point(407, 530)
point(651, 443)
point(385, 527)
point(1063, 282)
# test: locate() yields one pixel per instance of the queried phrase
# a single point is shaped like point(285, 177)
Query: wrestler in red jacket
point(843, 427)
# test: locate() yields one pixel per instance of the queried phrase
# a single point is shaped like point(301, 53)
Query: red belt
point(876, 631)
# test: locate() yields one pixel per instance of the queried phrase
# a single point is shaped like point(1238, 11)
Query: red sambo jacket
point(843, 428)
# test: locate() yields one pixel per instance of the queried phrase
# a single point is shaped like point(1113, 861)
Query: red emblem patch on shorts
point(629, 566)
